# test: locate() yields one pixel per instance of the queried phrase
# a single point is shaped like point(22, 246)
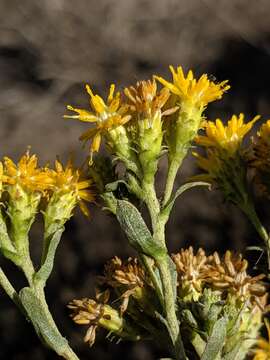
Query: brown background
point(48, 50)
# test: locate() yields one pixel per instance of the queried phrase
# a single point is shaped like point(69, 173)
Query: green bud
point(59, 210)
point(22, 208)
point(114, 322)
point(181, 130)
point(149, 144)
point(119, 144)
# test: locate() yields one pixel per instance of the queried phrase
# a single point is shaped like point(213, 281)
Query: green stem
point(152, 204)
point(169, 303)
point(251, 213)
point(173, 167)
point(9, 289)
point(28, 268)
point(158, 227)
point(66, 352)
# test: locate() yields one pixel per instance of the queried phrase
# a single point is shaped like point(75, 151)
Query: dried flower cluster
point(226, 276)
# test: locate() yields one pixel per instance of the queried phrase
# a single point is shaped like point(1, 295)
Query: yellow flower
point(224, 164)
point(228, 138)
point(104, 116)
point(262, 352)
point(27, 173)
point(196, 92)
point(69, 180)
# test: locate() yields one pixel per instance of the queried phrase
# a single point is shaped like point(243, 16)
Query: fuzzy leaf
point(47, 266)
point(136, 230)
point(232, 355)
point(154, 275)
point(173, 272)
point(188, 318)
point(47, 331)
point(216, 340)
point(168, 207)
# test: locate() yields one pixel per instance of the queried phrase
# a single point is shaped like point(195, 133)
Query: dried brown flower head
point(128, 278)
point(144, 98)
point(229, 274)
point(191, 270)
point(90, 312)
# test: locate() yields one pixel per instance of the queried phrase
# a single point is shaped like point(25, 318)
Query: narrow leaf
point(47, 266)
point(45, 329)
point(216, 340)
point(136, 230)
point(172, 268)
point(154, 275)
point(168, 207)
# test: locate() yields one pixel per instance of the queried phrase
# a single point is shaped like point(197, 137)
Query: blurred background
point(48, 50)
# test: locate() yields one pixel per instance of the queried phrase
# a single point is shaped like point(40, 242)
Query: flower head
point(262, 352)
point(144, 98)
point(27, 173)
point(230, 274)
point(97, 313)
point(129, 276)
point(195, 92)
point(228, 138)
point(191, 271)
point(70, 180)
point(89, 312)
point(224, 163)
point(105, 116)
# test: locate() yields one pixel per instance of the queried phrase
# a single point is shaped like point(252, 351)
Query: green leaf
point(136, 230)
point(188, 318)
point(168, 207)
point(5, 241)
point(232, 355)
point(216, 340)
point(154, 275)
point(47, 266)
point(42, 321)
point(172, 268)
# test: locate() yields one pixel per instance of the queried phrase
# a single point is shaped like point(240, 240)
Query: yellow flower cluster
point(222, 144)
point(32, 178)
point(143, 101)
point(26, 173)
point(196, 92)
point(227, 138)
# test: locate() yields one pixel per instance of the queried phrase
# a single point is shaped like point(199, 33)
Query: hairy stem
point(158, 228)
point(169, 303)
point(66, 352)
point(9, 289)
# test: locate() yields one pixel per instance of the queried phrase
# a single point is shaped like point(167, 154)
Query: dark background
point(48, 50)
